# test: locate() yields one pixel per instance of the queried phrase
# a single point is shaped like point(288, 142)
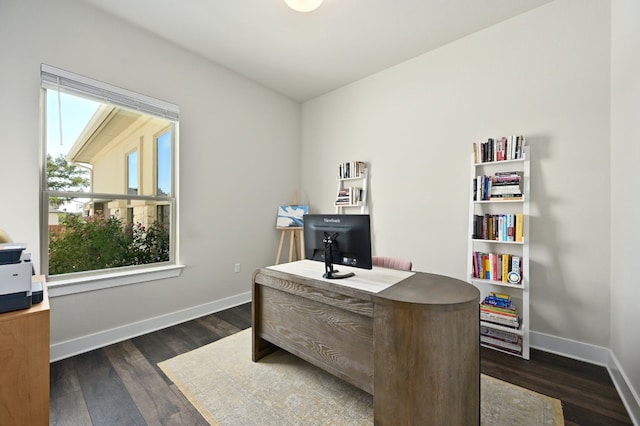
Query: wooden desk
point(24, 365)
point(415, 345)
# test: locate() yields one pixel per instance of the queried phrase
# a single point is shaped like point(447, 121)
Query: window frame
point(76, 85)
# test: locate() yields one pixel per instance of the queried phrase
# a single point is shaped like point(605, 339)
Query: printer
point(16, 271)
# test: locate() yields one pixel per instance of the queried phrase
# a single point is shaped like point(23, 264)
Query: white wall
point(229, 194)
point(544, 74)
point(625, 192)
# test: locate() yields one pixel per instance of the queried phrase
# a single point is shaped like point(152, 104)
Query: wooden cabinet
point(24, 365)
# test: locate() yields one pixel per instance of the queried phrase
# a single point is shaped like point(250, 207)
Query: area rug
point(229, 389)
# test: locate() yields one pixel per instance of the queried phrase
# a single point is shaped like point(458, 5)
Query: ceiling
point(304, 55)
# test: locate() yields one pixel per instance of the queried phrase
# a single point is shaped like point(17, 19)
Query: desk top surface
point(371, 280)
point(387, 285)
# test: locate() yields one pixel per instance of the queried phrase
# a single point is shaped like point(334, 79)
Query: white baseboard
point(90, 342)
point(628, 395)
point(570, 348)
point(595, 355)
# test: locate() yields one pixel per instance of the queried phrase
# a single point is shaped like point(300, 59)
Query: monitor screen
point(345, 238)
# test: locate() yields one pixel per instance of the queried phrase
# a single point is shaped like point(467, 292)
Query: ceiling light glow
point(303, 5)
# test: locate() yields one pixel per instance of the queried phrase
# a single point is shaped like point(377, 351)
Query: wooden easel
point(293, 238)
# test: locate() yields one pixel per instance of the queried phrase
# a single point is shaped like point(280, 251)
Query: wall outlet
point(236, 268)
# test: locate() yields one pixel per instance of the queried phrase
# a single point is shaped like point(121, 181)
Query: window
point(163, 163)
point(132, 173)
point(163, 213)
point(101, 144)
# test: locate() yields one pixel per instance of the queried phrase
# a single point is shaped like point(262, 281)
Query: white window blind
point(68, 82)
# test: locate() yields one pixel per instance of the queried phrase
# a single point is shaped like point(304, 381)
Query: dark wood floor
point(122, 385)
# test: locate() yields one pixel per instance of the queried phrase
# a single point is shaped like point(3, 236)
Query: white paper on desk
point(372, 280)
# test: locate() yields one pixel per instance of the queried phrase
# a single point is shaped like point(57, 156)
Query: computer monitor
point(341, 239)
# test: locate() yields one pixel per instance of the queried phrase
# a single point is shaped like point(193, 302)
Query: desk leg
point(259, 347)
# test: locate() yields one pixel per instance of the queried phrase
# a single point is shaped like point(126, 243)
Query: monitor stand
point(330, 273)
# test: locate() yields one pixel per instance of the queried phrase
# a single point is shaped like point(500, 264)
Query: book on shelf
point(509, 174)
point(492, 319)
point(497, 267)
point(351, 169)
point(513, 347)
point(498, 304)
point(498, 308)
point(509, 312)
point(499, 149)
point(505, 190)
point(519, 227)
point(498, 227)
point(502, 185)
point(505, 267)
point(505, 197)
point(507, 178)
point(500, 320)
point(498, 299)
point(348, 196)
point(500, 334)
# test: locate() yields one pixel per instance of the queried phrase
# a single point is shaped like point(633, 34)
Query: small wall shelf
point(351, 192)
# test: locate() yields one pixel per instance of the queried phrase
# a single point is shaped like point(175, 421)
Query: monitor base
point(333, 276)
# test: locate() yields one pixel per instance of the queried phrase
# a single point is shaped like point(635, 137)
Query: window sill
point(64, 287)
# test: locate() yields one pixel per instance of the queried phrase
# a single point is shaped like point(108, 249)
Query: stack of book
point(498, 309)
point(499, 149)
point(500, 339)
point(506, 186)
point(501, 186)
point(349, 196)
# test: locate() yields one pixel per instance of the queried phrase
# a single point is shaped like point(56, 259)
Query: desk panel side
point(329, 337)
point(427, 365)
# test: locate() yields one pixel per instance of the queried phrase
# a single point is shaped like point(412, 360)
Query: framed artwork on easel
point(291, 216)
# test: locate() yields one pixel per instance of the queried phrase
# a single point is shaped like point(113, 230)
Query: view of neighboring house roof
point(107, 124)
